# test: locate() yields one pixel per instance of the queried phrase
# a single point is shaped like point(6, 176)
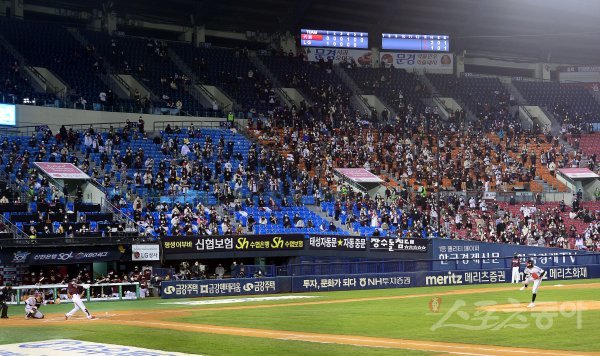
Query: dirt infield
point(155, 319)
point(563, 307)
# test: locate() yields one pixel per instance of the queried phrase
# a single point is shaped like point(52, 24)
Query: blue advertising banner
point(219, 287)
point(61, 255)
point(571, 272)
point(464, 254)
point(353, 282)
point(422, 279)
point(340, 282)
point(464, 277)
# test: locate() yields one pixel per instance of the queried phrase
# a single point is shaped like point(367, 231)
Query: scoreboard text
point(338, 39)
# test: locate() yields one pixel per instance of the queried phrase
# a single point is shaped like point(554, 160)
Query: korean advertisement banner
point(417, 60)
point(218, 287)
point(362, 57)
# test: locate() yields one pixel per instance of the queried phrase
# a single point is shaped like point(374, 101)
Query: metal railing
point(529, 117)
point(285, 96)
point(441, 104)
point(16, 232)
point(198, 84)
point(365, 102)
point(122, 82)
point(99, 127)
point(184, 124)
point(209, 95)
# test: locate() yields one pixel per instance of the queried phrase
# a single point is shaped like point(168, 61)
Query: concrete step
point(317, 210)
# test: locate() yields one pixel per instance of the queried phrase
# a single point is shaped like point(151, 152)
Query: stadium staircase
point(284, 68)
point(32, 75)
point(546, 188)
point(357, 101)
point(545, 181)
point(262, 68)
point(325, 216)
point(121, 89)
point(519, 99)
point(229, 70)
point(106, 206)
point(196, 90)
point(434, 100)
point(435, 89)
point(561, 101)
point(555, 128)
point(427, 83)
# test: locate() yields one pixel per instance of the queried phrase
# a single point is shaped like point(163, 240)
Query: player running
point(76, 291)
point(533, 274)
point(32, 305)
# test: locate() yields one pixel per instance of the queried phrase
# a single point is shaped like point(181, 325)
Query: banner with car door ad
point(336, 242)
point(362, 57)
point(417, 60)
point(218, 287)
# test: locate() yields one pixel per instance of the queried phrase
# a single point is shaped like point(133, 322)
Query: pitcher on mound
point(533, 274)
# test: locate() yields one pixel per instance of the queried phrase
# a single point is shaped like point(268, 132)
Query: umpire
point(5, 294)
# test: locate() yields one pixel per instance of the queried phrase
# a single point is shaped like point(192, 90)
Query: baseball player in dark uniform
point(76, 291)
point(515, 264)
point(5, 294)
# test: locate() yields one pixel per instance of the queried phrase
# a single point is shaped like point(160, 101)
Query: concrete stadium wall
point(55, 117)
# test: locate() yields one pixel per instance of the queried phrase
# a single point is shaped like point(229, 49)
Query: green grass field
point(396, 317)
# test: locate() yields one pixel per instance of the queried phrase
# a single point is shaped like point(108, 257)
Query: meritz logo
point(449, 279)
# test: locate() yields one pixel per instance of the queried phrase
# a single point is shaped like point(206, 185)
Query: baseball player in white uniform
point(77, 291)
point(32, 305)
point(533, 274)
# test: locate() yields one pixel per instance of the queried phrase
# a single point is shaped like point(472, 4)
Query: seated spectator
point(332, 227)
point(299, 223)
point(287, 223)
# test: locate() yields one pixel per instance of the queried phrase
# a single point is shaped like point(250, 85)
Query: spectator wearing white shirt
point(185, 150)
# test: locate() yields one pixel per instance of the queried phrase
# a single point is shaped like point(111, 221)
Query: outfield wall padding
point(340, 282)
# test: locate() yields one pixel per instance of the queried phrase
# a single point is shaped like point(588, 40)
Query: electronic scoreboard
point(338, 39)
point(411, 42)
